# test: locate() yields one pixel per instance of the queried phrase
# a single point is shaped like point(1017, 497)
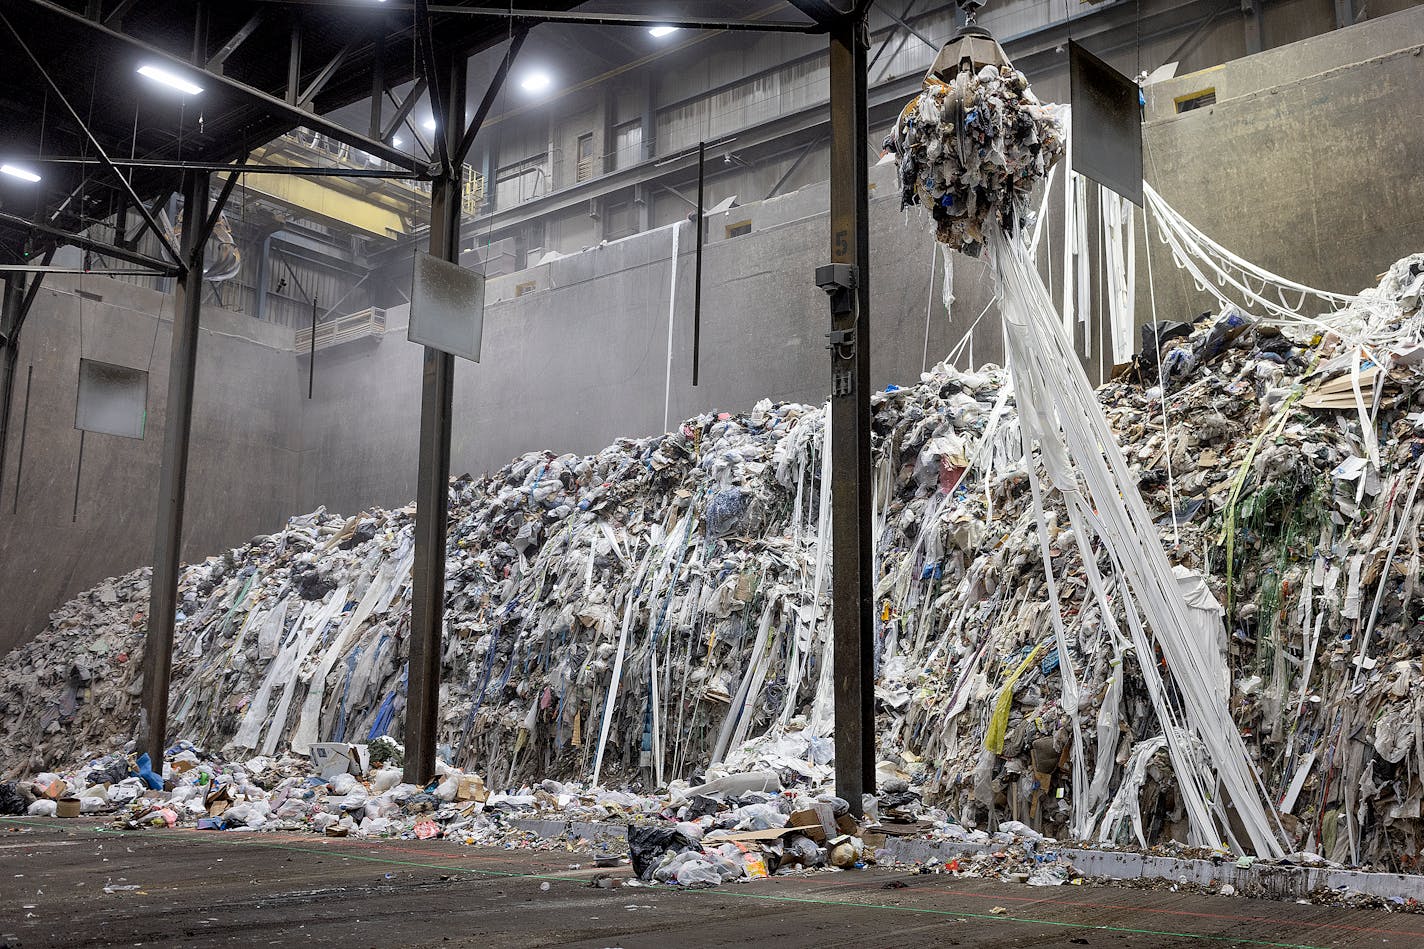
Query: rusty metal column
point(173, 473)
point(847, 281)
point(432, 499)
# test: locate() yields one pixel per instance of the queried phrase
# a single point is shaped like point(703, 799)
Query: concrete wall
point(1308, 164)
point(244, 450)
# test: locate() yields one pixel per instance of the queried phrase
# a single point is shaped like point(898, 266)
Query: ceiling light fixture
point(24, 174)
point(171, 80)
point(661, 31)
point(536, 82)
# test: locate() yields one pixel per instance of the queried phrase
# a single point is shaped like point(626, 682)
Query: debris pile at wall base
point(643, 613)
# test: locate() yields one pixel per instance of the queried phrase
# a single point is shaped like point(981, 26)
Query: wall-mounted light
point(660, 31)
point(24, 174)
point(169, 79)
point(536, 82)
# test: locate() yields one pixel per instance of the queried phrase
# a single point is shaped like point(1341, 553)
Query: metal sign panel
point(447, 307)
point(113, 400)
point(1107, 124)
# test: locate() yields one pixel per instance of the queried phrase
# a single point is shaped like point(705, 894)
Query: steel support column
point(173, 473)
point(9, 354)
point(427, 611)
point(853, 583)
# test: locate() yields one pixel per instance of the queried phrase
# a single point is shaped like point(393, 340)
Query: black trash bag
point(1223, 333)
point(1155, 336)
point(648, 842)
point(112, 773)
point(12, 802)
point(704, 804)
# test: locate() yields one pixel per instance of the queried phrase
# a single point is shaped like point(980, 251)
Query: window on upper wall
point(627, 144)
point(584, 170)
point(1196, 100)
point(521, 181)
point(527, 287)
point(738, 229)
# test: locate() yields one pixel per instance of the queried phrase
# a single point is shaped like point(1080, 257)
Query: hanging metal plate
point(1107, 124)
point(112, 400)
point(447, 307)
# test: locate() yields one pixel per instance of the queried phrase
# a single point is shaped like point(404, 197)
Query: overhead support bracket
point(487, 103)
point(404, 109)
point(425, 44)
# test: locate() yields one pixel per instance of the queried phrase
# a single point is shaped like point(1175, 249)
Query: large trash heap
point(658, 614)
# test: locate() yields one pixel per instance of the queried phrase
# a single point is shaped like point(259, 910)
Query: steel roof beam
point(93, 139)
point(215, 64)
point(275, 106)
point(86, 243)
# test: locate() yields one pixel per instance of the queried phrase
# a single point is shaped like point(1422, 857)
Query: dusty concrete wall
point(243, 465)
point(1308, 164)
point(583, 359)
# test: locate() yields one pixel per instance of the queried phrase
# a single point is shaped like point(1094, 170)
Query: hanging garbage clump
point(972, 146)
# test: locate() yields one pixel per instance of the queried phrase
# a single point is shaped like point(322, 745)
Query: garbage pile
point(972, 150)
point(629, 619)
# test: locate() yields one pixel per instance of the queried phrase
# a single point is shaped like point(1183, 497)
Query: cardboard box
point(818, 822)
point(333, 757)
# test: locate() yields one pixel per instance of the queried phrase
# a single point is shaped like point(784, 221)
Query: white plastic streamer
point(1059, 413)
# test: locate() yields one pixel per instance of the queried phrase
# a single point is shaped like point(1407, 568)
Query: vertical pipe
point(697, 279)
point(378, 84)
point(427, 611)
point(264, 277)
point(24, 427)
point(173, 473)
point(9, 355)
point(853, 583)
point(311, 355)
point(78, 477)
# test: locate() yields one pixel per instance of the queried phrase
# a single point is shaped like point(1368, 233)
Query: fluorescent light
point(661, 31)
point(24, 174)
point(536, 82)
point(172, 80)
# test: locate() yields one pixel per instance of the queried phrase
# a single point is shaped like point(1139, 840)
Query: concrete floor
point(63, 883)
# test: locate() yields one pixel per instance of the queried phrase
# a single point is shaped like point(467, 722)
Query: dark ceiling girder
point(85, 243)
point(216, 213)
point(256, 97)
point(589, 19)
point(238, 38)
point(116, 15)
point(404, 109)
point(309, 171)
point(322, 78)
point(93, 140)
point(416, 134)
point(487, 103)
point(425, 44)
point(914, 30)
point(824, 12)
